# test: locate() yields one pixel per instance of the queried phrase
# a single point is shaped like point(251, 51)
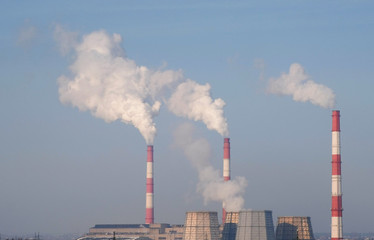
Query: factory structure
point(226, 169)
point(248, 224)
point(204, 225)
point(149, 211)
point(241, 225)
point(201, 225)
point(336, 193)
point(294, 228)
point(160, 231)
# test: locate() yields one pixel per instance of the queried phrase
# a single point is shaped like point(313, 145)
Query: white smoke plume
point(113, 87)
point(110, 85)
point(211, 185)
point(302, 88)
point(193, 101)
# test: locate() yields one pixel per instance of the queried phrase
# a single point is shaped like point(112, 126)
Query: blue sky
point(63, 170)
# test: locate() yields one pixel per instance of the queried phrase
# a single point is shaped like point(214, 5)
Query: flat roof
point(121, 226)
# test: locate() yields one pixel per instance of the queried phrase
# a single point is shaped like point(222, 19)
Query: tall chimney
point(149, 218)
point(226, 169)
point(336, 203)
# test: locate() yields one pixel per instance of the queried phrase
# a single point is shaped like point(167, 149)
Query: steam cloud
point(302, 88)
point(193, 101)
point(211, 185)
point(113, 87)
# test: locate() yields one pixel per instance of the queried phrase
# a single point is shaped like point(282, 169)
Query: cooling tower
point(149, 218)
point(294, 228)
point(230, 226)
point(201, 226)
point(255, 225)
point(226, 170)
point(336, 188)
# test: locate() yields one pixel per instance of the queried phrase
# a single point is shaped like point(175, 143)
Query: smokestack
point(149, 218)
point(336, 203)
point(226, 169)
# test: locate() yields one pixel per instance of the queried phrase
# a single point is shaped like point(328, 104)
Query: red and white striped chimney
point(226, 169)
point(149, 218)
point(336, 203)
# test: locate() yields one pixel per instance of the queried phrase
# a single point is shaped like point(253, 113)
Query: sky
point(64, 167)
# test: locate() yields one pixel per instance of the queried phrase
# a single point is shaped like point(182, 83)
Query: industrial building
point(248, 225)
point(289, 228)
point(255, 225)
point(160, 231)
point(201, 226)
point(230, 226)
point(198, 226)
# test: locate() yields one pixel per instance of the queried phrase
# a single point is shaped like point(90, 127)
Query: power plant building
point(292, 228)
point(201, 226)
point(230, 226)
point(255, 225)
point(156, 231)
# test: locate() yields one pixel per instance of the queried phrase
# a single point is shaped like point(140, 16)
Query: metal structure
point(201, 226)
point(294, 228)
point(149, 211)
point(336, 193)
point(255, 225)
point(230, 226)
point(226, 170)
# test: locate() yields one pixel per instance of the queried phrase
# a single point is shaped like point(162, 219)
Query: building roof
point(121, 226)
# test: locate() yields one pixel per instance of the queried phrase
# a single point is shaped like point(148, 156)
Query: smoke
point(193, 101)
point(211, 185)
point(302, 88)
point(112, 86)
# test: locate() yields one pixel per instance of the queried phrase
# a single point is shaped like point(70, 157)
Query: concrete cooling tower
point(292, 228)
point(255, 225)
point(230, 226)
point(201, 226)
